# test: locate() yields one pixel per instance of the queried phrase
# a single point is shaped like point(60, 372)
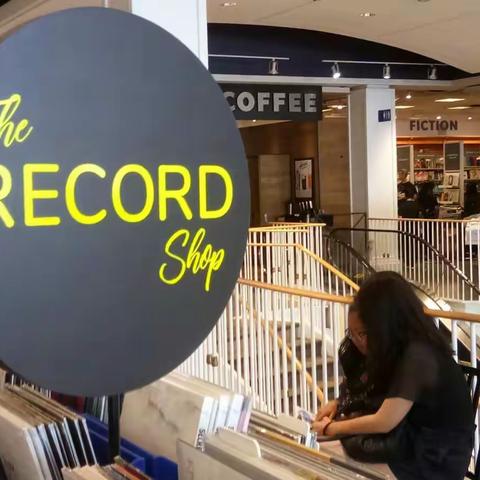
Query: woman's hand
point(329, 411)
point(321, 426)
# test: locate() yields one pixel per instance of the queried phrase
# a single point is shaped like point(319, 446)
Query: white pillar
point(185, 19)
point(373, 153)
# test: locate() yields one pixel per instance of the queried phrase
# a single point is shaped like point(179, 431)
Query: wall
point(297, 139)
point(334, 175)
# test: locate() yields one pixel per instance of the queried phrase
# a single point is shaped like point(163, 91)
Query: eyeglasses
point(361, 337)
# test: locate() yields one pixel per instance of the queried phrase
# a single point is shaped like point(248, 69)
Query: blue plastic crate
point(159, 468)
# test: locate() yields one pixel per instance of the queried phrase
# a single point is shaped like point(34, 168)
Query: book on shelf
point(451, 180)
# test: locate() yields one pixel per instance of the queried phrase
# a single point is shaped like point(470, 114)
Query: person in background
point(427, 200)
point(427, 400)
point(472, 200)
point(409, 208)
point(404, 186)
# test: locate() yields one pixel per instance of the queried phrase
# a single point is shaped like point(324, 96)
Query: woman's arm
point(390, 414)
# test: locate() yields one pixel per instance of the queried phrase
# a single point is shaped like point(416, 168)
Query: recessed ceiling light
point(404, 107)
point(470, 118)
point(367, 14)
point(449, 100)
point(460, 107)
point(408, 96)
point(439, 117)
point(253, 121)
point(229, 4)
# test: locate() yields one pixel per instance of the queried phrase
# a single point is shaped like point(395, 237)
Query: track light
point(386, 72)
point(432, 73)
point(336, 71)
point(273, 67)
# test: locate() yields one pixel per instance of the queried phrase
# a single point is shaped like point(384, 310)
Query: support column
point(373, 153)
point(373, 170)
point(185, 19)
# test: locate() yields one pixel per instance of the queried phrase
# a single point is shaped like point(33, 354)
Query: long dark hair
point(393, 317)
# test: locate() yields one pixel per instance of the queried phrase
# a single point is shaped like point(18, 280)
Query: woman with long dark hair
point(427, 401)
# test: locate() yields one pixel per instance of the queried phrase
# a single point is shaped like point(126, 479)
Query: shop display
point(428, 165)
point(39, 437)
point(267, 455)
point(472, 155)
point(178, 407)
point(118, 471)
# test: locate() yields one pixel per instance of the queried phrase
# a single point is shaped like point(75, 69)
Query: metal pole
point(114, 426)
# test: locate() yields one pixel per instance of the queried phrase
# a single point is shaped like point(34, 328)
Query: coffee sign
point(124, 202)
point(273, 102)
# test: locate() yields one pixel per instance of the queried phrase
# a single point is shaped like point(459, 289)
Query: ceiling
point(423, 103)
point(446, 30)
point(425, 106)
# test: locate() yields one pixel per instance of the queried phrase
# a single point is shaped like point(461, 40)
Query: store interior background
point(272, 147)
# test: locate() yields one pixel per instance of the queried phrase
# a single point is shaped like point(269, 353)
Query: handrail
point(328, 297)
point(287, 224)
point(444, 259)
point(286, 227)
point(368, 267)
point(357, 255)
point(347, 300)
point(315, 257)
point(298, 364)
point(432, 220)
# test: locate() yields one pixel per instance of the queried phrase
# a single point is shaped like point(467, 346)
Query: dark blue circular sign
point(124, 202)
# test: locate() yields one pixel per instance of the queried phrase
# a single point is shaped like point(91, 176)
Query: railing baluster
point(293, 347)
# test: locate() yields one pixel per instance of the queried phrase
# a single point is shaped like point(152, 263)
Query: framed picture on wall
point(303, 176)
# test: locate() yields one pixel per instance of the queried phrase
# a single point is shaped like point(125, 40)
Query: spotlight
point(386, 72)
point(336, 71)
point(408, 96)
point(470, 118)
point(273, 67)
point(432, 73)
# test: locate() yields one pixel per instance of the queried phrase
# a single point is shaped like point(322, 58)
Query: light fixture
point(253, 121)
point(386, 72)
point(460, 107)
point(273, 67)
point(408, 96)
point(367, 14)
point(432, 73)
point(336, 71)
point(449, 100)
point(338, 107)
point(439, 117)
point(470, 118)
point(404, 107)
point(229, 4)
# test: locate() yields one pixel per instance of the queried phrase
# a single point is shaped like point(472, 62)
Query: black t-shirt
point(436, 385)
point(409, 209)
point(406, 187)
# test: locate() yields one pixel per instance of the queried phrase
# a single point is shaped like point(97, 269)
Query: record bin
point(158, 468)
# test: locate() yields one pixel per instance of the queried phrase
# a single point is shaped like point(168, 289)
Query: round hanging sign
point(124, 202)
